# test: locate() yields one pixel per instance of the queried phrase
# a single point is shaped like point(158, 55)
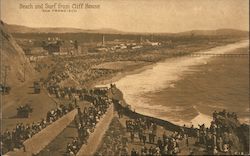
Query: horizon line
point(123, 31)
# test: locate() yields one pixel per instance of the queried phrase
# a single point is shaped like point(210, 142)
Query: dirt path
point(21, 95)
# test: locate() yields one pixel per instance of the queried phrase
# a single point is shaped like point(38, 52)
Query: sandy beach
point(146, 88)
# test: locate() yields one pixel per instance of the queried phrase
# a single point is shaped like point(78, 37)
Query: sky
point(134, 15)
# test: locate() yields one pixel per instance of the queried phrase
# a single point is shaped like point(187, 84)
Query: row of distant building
point(56, 46)
point(123, 46)
point(53, 46)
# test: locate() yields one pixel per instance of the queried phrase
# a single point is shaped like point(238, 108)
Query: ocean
point(187, 89)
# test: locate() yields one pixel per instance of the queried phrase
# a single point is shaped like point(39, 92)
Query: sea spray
point(138, 88)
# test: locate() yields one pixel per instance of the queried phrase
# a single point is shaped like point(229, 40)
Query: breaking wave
point(137, 88)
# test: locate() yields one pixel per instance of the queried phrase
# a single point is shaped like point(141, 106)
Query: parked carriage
point(4, 89)
point(24, 111)
point(37, 87)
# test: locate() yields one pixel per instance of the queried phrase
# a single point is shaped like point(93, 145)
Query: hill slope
point(12, 57)
point(24, 29)
point(219, 32)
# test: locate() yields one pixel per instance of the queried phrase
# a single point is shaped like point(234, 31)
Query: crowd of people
point(73, 93)
point(142, 132)
point(61, 110)
point(220, 136)
point(115, 143)
point(73, 147)
point(146, 140)
point(56, 77)
point(75, 68)
point(86, 121)
point(82, 69)
point(16, 137)
point(141, 126)
point(146, 131)
point(67, 92)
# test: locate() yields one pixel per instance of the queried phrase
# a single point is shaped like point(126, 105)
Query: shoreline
point(107, 79)
point(147, 65)
point(200, 116)
point(117, 76)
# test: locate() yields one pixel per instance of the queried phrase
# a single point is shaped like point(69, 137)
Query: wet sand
point(189, 89)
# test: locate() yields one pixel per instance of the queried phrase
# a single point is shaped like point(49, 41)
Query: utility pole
point(140, 40)
point(5, 75)
point(103, 40)
point(6, 68)
point(152, 38)
point(24, 71)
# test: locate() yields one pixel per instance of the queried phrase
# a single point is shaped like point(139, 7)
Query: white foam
point(201, 119)
point(151, 112)
point(164, 75)
point(245, 120)
point(158, 108)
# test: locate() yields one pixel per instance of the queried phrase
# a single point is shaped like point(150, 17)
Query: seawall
point(40, 140)
point(120, 104)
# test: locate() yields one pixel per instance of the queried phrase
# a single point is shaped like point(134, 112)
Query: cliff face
point(13, 60)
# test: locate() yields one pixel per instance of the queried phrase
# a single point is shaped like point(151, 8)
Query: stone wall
point(40, 140)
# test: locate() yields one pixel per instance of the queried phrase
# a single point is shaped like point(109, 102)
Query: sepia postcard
point(124, 77)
